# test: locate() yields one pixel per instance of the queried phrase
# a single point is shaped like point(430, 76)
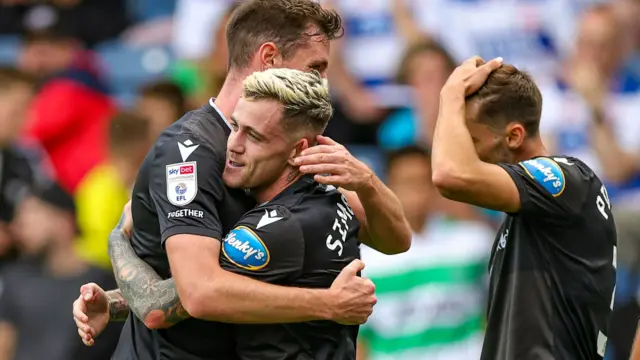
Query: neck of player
point(530, 149)
point(264, 194)
point(230, 92)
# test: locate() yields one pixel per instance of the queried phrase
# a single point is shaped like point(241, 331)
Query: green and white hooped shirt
point(431, 299)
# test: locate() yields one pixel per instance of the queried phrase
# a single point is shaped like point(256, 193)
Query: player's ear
point(269, 56)
point(301, 145)
point(515, 135)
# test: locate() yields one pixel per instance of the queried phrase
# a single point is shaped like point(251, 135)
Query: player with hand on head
point(553, 263)
point(181, 207)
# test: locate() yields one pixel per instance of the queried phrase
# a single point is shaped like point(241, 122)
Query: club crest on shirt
point(182, 183)
point(547, 173)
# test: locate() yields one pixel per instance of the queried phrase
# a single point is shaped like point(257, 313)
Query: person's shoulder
point(197, 129)
point(558, 174)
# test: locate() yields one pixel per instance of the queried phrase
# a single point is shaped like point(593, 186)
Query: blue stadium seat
point(9, 48)
point(370, 155)
point(127, 68)
point(144, 10)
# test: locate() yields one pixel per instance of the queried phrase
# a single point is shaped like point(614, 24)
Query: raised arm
point(458, 172)
point(379, 211)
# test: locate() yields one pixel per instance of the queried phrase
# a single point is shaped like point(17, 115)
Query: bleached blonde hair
point(304, 96)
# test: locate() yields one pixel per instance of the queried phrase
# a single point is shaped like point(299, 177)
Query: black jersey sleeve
point(267, 244)
point(186, 186)
point(552, 188)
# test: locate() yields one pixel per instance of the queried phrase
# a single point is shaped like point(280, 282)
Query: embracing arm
point(210, 293)
point(153, 300)
point(383, 225)
point(458, 172)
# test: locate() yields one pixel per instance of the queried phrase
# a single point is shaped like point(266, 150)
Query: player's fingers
point(83, 326)
point(354, 267)
point(88, 291)
point(320, 159)
point(80, 310)
point(86, 338)
point(474, 60)
point(320, 149)
point(491, 66)
point(327, 169)
point(325, 140)
point(80, 324)
point(334, 180)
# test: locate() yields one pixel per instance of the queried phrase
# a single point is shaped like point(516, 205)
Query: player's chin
point(233, 179)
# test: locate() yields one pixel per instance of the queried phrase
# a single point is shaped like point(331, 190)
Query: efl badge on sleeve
point(182, 183)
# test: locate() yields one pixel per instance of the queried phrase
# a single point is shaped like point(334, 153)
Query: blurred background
point(87, 85)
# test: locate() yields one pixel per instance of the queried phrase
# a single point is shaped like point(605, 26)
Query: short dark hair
point(10, 76)
point(126, 131)
point(418, 48)
point(420, 150)
point(284, 22)
point(167, 91)
point(509, 95)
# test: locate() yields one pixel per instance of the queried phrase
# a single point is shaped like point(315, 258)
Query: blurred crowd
point(87, 85)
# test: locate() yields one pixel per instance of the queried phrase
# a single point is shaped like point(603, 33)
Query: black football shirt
point(553, 266)
point(179, 190)
point(303, 237)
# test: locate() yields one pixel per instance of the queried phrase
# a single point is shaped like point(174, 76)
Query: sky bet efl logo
point(183, 170)
point(182, 183)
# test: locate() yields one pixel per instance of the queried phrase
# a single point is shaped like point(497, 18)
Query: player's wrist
point(369, 186)
point(324, 307)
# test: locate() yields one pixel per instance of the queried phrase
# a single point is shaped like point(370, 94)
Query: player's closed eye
point(254, 137)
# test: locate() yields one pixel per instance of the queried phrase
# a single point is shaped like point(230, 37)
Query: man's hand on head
point(332, 158)
point(467, 78)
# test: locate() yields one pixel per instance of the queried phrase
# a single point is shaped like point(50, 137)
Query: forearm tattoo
point(118, 307)
point(142, 288)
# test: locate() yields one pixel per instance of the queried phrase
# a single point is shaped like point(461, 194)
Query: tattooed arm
point(118, 306)
point(153, 300)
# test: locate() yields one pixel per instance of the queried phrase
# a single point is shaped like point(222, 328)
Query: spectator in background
point(202, 79)
point(360, 81)
point(70, 114)
point(430, 298)
point(18, 170)
point(424, 67)
point(105, 190)
point(161, 103)
point(533, 35)
point(37, 290)
point(90, 21)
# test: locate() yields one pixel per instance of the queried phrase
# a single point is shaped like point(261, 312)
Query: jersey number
point(603, 203)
